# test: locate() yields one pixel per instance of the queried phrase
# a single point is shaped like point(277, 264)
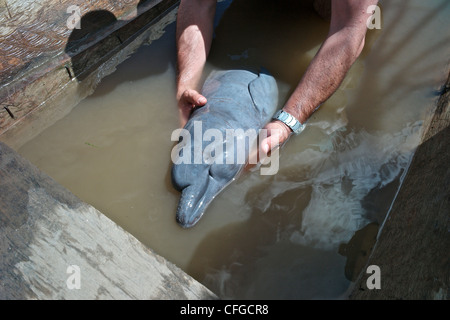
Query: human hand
point(277, 133)
point(187, 101)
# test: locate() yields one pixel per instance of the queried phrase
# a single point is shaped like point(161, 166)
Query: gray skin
point(237, 99)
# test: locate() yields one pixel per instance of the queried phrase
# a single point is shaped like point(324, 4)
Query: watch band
point(289, 120)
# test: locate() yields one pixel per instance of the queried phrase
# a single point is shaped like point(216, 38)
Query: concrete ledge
point(48, 237)
point(412, 250)
point(45, 230)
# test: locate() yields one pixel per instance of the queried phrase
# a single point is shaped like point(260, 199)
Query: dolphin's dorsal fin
point(264, 93)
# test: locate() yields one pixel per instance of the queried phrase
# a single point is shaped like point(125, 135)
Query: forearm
point(194, 36)
point(325, 74)
point(329, 67)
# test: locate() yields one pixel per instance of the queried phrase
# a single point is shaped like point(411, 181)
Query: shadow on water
point(95, 24)
point(264, 44)
point(255, 259)
point(90, 26)
point(227, 259)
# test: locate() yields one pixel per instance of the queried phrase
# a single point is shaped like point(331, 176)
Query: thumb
point(272, 141)
point(196, 98)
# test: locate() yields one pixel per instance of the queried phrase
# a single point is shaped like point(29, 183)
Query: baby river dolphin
point(212, 149)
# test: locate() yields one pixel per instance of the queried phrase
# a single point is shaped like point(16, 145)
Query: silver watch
point(290, 121)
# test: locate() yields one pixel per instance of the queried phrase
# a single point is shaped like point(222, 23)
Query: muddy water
point(302, 233)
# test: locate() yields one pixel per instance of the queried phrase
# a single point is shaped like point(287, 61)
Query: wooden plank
point(412, 250)
point(33, 32)
point(48, 238)
point(40, 56)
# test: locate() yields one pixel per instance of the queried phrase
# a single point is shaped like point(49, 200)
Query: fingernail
point(265, 148)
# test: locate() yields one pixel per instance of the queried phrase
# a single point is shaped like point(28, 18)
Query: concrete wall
point(412, 249)
point(48, 237)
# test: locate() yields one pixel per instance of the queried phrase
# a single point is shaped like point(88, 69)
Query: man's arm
point(328, 68)
point(194, 36)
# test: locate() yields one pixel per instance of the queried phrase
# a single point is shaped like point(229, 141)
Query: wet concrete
point(412, 246)
point(54, 246)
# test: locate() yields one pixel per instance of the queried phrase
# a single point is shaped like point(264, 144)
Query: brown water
point(271, 237)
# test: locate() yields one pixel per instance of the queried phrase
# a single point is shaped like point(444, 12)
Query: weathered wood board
point(413, 247)
point(48, 64)
point(54, 246)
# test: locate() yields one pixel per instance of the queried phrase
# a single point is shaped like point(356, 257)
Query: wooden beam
point(46, 68)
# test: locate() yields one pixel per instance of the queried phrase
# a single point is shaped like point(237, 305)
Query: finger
point(272, 141)
point(195, 98)
point(253, 159)
point(257, 157)
point(184, 114)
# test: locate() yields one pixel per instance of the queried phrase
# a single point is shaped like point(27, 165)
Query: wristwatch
point(289, 120)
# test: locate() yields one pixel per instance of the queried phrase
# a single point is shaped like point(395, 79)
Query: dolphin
point(237, 100)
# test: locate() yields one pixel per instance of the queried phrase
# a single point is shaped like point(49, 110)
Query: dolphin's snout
point(195, 199)
point(181, 220)
point(191, 207)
